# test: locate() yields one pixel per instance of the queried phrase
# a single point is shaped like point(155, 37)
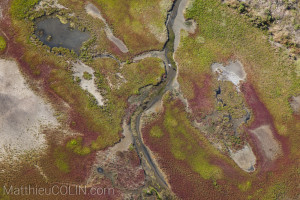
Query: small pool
point(56, 34)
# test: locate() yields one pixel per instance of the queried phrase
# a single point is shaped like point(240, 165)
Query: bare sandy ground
point(268, 143)
point(233, 72)
point(156, 108)
point(244, 158)
point(295, 104)
point(23, 114)
point(92, 10)
point(79, 68)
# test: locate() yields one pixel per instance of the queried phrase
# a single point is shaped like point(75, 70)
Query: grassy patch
point(277, 191)
point(2, 43)
point(3, 196)
point(87, 76)
point(76, 146)
point(61, 161)
point(146, 72)
point(245, 186)
point(156, 132)
point(21, 8)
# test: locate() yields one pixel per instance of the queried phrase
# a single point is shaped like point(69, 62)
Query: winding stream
point(157, 92)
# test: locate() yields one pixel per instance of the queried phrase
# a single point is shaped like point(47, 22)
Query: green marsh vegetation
point(184, 142)
point(21, 9)
point(156, 132)
point(229, 35)
point(138, 23)
point(225, 35)
point(87, 76)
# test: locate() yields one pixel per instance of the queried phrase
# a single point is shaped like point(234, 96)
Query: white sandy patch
point(234, 72)
point(268, 143)
point(92, 10)
point(244, 158)
point(295, 104)
point(23, 114)
point(79, 68)
point(49, 4)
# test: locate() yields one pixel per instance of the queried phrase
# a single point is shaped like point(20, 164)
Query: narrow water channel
point(163, 88)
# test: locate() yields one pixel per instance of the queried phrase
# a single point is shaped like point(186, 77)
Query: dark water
point(61, 34)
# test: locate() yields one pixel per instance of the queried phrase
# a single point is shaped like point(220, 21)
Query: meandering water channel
point(148, 162)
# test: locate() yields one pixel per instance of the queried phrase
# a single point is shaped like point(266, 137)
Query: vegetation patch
point(245, 186)
point(2, 43)
point(156, 132)
point(87, 76)
point(184, 145)
point(20, 9)
point(76, 146)
point(61, 161)
point(139, 24)
point(146, 72)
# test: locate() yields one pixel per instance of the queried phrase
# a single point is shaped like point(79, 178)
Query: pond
point(53, 33)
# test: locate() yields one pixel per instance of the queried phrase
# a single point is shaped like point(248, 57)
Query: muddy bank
point(180, 22)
